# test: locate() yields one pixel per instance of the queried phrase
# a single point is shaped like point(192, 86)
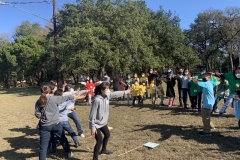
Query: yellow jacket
point(160, 90)
point(135, 90)
point(143, 79)
point(152, 89)
point(142, 90)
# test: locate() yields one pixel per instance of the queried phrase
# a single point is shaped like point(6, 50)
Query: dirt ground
point(175, 129)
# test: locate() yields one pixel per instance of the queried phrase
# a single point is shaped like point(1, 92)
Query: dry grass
point(174, 128)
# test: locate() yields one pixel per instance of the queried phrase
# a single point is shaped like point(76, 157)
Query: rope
point(129, 151)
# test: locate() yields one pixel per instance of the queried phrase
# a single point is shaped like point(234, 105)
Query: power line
point(30, 12)
point(44, 1)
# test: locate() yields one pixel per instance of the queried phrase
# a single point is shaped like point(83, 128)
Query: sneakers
point(77, 144)
point(105, 152)
point(205, 134)
point(70, 155)
point(82, 135)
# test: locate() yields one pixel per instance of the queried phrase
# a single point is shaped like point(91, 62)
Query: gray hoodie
point(49, 114)
point(100, 109)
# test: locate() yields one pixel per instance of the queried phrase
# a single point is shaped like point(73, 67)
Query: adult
point(106, 78)
point(98, 118)
point(185, 88)
point(46, 109)
point(199, 89)
point(233, 79)
point(179, 85)
point(153, 75)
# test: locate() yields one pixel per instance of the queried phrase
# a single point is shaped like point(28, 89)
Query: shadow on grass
point(225, 143)
point(26, 146)
point(27, 91)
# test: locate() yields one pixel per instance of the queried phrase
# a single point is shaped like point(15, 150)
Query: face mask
point(129, 77)
point(143, 75)
point(202, 73)
point(186, 73)
point(143, 84)
point(135, 76)
point(136, 83)
point(151, 72)
point(204, 79)
point(104, 93)
point(71, 89)
point(87, 78)
point(237, 75)
point(169, 70)
point(90, 81)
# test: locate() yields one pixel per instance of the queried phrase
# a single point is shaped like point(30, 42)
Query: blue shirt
point(208, 94)
point(236, 105)
point(185, 81)
point(63, 110)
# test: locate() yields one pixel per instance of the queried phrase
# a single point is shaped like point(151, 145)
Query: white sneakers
point(70, 155)
point(82, 135)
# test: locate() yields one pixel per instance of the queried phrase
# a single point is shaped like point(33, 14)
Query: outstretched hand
point(195, 80)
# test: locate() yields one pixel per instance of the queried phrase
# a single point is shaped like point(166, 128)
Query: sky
point(187, 10)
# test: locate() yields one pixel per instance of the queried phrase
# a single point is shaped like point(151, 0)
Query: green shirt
point(193, 88)
point(232, 82)
point(199, 88)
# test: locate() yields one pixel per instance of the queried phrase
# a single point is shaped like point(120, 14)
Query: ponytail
point(45, 89)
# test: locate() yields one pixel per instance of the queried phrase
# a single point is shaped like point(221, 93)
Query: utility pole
point(55, 41)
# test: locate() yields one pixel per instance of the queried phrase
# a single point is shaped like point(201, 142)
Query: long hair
point(100, 88)
point(45, 89)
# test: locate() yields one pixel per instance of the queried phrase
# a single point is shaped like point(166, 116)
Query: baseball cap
point(68, 86)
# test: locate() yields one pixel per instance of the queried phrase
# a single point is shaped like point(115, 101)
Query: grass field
point(175, 129)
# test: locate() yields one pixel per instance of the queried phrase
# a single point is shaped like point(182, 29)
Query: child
point(135, 92)
point(236, 104)
point(171, 81)
point(160, 92)
point(152, 88)
point(127, 85)
point(222, 93)
point(208, 102)
point(142, 90)
point(193, 94)
point(89, 86)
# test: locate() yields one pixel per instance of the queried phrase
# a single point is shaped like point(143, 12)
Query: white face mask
point(90, 81)
point(237, 75)
point(136, 83)
point(71, 89)
point(143, 75)
point(135, 76)
point(151, 71)
point(87, 78)
point(186, 73)
point(143, 84)
point(129, 77)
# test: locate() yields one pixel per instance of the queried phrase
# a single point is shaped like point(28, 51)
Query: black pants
point(185, 96)
point(193, 100)
point(139, 99)
point(239, 123)
point(101, 141)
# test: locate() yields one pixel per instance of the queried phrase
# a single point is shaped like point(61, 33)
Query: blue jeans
point(180, 93)
point(73, 116)
point(67, 127)
point(216, 103)
point(45, 134)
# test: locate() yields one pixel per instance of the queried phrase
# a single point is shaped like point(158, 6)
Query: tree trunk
point(231, 61)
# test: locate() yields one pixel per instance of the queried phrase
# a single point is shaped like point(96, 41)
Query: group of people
point(53, 105)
